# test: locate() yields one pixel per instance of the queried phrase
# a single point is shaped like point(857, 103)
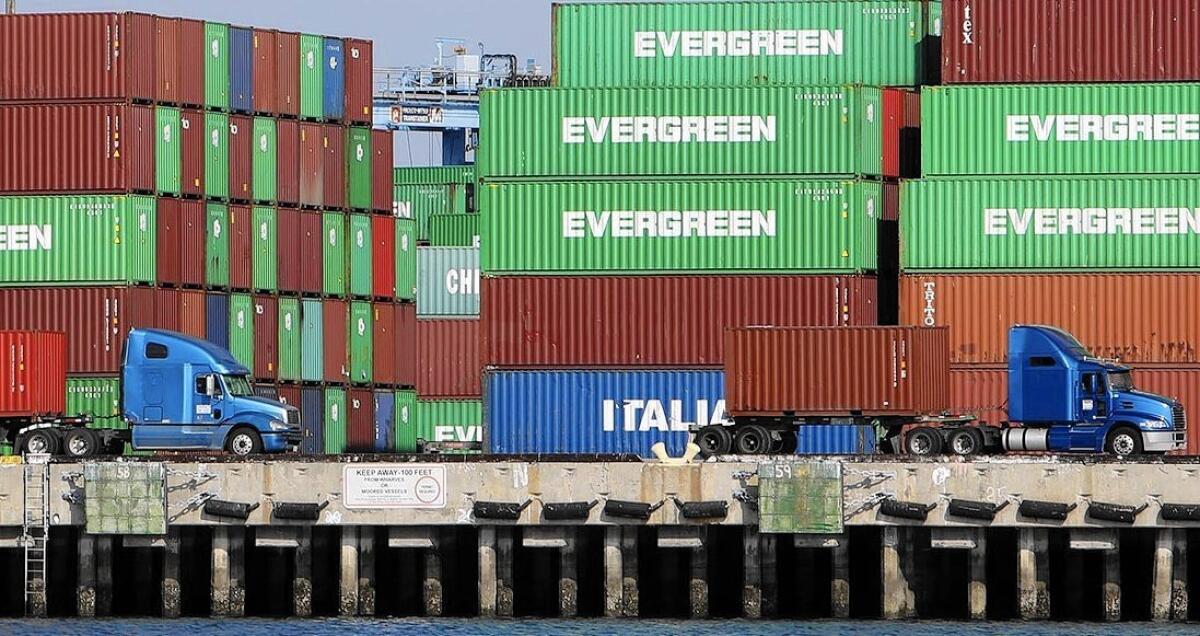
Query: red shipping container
point(241, 247)
point(288, 161)
point(1041, 41)
point(1146, 326)
point(382, 182)
point(241, 155)
point(265, 82)
point(191, 62)
point(166, 59)
point(288, 249)
point(168, 227)
point(383, 344)
point(311, 253)
point(837, 371)
point(192, 141)
point(622, 321)
point(192, 313)
point(901, 134)
point(287, 73)
point(95, 320)
point(290, 395)
point(266, 337)
point(64, 57)
point(166, 309)
point(359, 80)
point(334, 166)
point(33, 373)
point(406, 344)
point(360, 434)
point(335, 319)
point(383, 257)
point(59, 148)
point(191, 243)
point(312, 160)
point(448, 358)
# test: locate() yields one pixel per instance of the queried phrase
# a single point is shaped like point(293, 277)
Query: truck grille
point(1179, 417)
point(293, 417)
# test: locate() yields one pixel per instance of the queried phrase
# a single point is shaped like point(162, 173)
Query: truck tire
point(80, 442)
point(965, 442)
point(244, 441)
point(714, 440)
point(923, 442)
point(1124, 441)
point(40, 441)
point(751, 440)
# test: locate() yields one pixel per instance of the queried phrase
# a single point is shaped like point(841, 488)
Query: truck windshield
point(237, 385)
point(1121, 381)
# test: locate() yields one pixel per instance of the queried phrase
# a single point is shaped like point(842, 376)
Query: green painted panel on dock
point(800, 498)
point(124, 498)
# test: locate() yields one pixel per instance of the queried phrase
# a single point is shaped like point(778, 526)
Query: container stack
point(1061, 190)
point(217, 180)
point(674, 183)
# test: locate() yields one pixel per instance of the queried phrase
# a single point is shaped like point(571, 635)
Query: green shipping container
point(265, 260)
point(1094, 223)
point(455, 425)
point(166, 150)
point(448, 281)
point(651, 227)
point(289, 326)
point(653, 44)
point(241, 329)
point(1048, 129)
point(216, 65)
point(433, 175)
point(358, 171)
point(361, 351)
point(312, 86)
point(312, 340)
point(216, 249)
point(264, 160)
point(360, 255)
point(454, 230)
point(90, 240)
point(334, 254)
point(335, 421)
point(98, 397)
point(216, 155)
point(421, 202)
point(790, 130)
point(405, 421)
point(406, 259)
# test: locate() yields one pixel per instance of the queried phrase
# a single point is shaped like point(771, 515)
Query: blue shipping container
point(598, 411)
point(385, 421)
point(836, 439)
point(312, 413)
point(334, 79)
point(312, 340)
point(216, 319)
point(241, 69)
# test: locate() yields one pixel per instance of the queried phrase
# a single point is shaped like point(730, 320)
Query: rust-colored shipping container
point(287, 73)
point(359, 103)
point(334, 167)
point(288, 249)
point(167, 63)
point(266, 336)
point(406, 344)
point(1018, 41)
point(95, 320)
point(192, 140)
point(241, 247)
point(287, 154)
point(382, 181)
point(335, 316)
point(383, 343)
point(63, 57)
point(383, 257)
point(76, 147)
point(265, 82)
point(33, 373)
point(168, 225)
point(669, 321)
point(290, 395)
point(312, 160)
point(191, 62)
point(1133, 317)
point(360, 433)
point(835, 371)
point(191, 243)
point(448, 363)
point(310, 253)
point(192, 313)
point(241, 156)
point(166, 309)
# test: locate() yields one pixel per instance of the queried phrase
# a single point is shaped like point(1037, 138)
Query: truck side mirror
point(210, 386)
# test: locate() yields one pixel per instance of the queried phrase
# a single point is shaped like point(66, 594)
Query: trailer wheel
point(965, 442)
point(40, 441)
point(751, 440)
point(80, 442)
point(714, 440)
point(923, 442)
point(1124, 441)
point(243, 441)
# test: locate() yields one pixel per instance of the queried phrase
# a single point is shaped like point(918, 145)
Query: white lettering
point(26, 238)
point(669, 223)
point(1069, 221)
point(659, 415)
point(669, 129)
point(781, 42)
point(1074, 128)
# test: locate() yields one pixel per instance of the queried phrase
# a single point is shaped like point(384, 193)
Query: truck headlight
point(276, 425)
point(1156, 425)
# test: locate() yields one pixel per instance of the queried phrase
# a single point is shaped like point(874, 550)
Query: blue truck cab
point(180, 392)
point(1067, 400)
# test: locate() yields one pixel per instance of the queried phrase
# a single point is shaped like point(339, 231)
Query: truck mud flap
point(905, 509)
point(229, 509)
point(1180, 512)
point(1114, 512)
point(298, 511)
point(630, 509)
point(567, 511)
point(1045, 510)
point(499, 510)
point(703, 509)
point(983, 510)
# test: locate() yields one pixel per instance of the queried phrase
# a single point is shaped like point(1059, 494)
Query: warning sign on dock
point(394, 486)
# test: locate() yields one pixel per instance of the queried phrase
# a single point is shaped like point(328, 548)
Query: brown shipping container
point(287, 73)
point(95, 320)
point(166, 59)
point(265, 82)
point(670, 321)
point(406, 344)
point(191, 243)
point(334, 166)
point(359, 104)
point(287, 167)
point(166, 309)
point(76, 147)
point(168, 226)
point(1016, 41)
point(1145, 325)
point(335, 316)
point(266, 336)
point(192, 313)
point(448, 362)
point(310, 253)
point(241, 156)
point(360, 433)
point(241, 247)
point(192, 142)
point(896, 371)
point(312, 159)
point(288, 249)
point(383, 344)
point(63, 57)
point(191, 62)
point(382, 182)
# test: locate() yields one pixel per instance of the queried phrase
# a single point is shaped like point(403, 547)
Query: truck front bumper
point(1163, 441)
point(281, 442)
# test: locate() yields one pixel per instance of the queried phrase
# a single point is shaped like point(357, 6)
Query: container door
point(312, 343)
point(385, 421)
point(334, 79)
point(406, 259)
point(405, 416)
point(335, 421)
point(241, 69)
point(334, 254)
point(216, 66)
point(265, 245)
point(193, 145)
point(311, 77)
point(264, 160)
point(216, 319)
point(360, 255)
point(241, 329)
point(358, 160)
point(313, 442)
point(216, 155)
point(289, 339)
point(166, 150)
point(216, 255)
point(361, 317)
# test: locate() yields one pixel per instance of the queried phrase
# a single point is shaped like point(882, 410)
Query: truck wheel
point(751, 440)
point(965, 442)
point(1124, 442)
point(923, 442)
point(40, 441)
point(714, 440)
point(244, 441)
point(81, 442)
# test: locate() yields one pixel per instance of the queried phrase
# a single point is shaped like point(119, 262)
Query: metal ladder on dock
point(36, 529)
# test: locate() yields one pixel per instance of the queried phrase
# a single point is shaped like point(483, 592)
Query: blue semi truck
point(177, 393)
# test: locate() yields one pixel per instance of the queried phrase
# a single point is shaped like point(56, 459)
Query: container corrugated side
point(192, 53)
point(454, 230)
point(680, 226)
point(216, 155)
point(333, 79)
point(193, 146)
point(241, 69)
point(443, 425)
point(1093, 223)
point(192, 312)
point(360, 431)
point(406, 259)
point(167, 151)
point(359, 251)
point(335, 331)
point(311, 249)
point(383, 257)
point(266, 337)
point(385, 421)
point(381, 171)
point(598, 411)
point(180, 257)
point(216, 65)
point(447, 281)
point(265, 80)
point(290, 257)
point(333, 142)
point(166, 59)
point(312, 340)
point(448, 358)
point(287, 164)
point(433, 175)
point(359, 81)
point(241, 157)
point(33, 373)
point(333, 254)
point(241, 329)
point(405, 420)
point(421, 202)
point(383, 341)
point(794, 130)
point(265, 160)
point(216, 319)
point(335, 420)
point(266, 249)
point(289, 339)
point(362, 351)
point(406, 331)
point(99, 397)
point(287, 73)
point(311, 76)
point(312, 165)
point(312, 403)
point(836, 439)
point(358, 168)
point(651, 44)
